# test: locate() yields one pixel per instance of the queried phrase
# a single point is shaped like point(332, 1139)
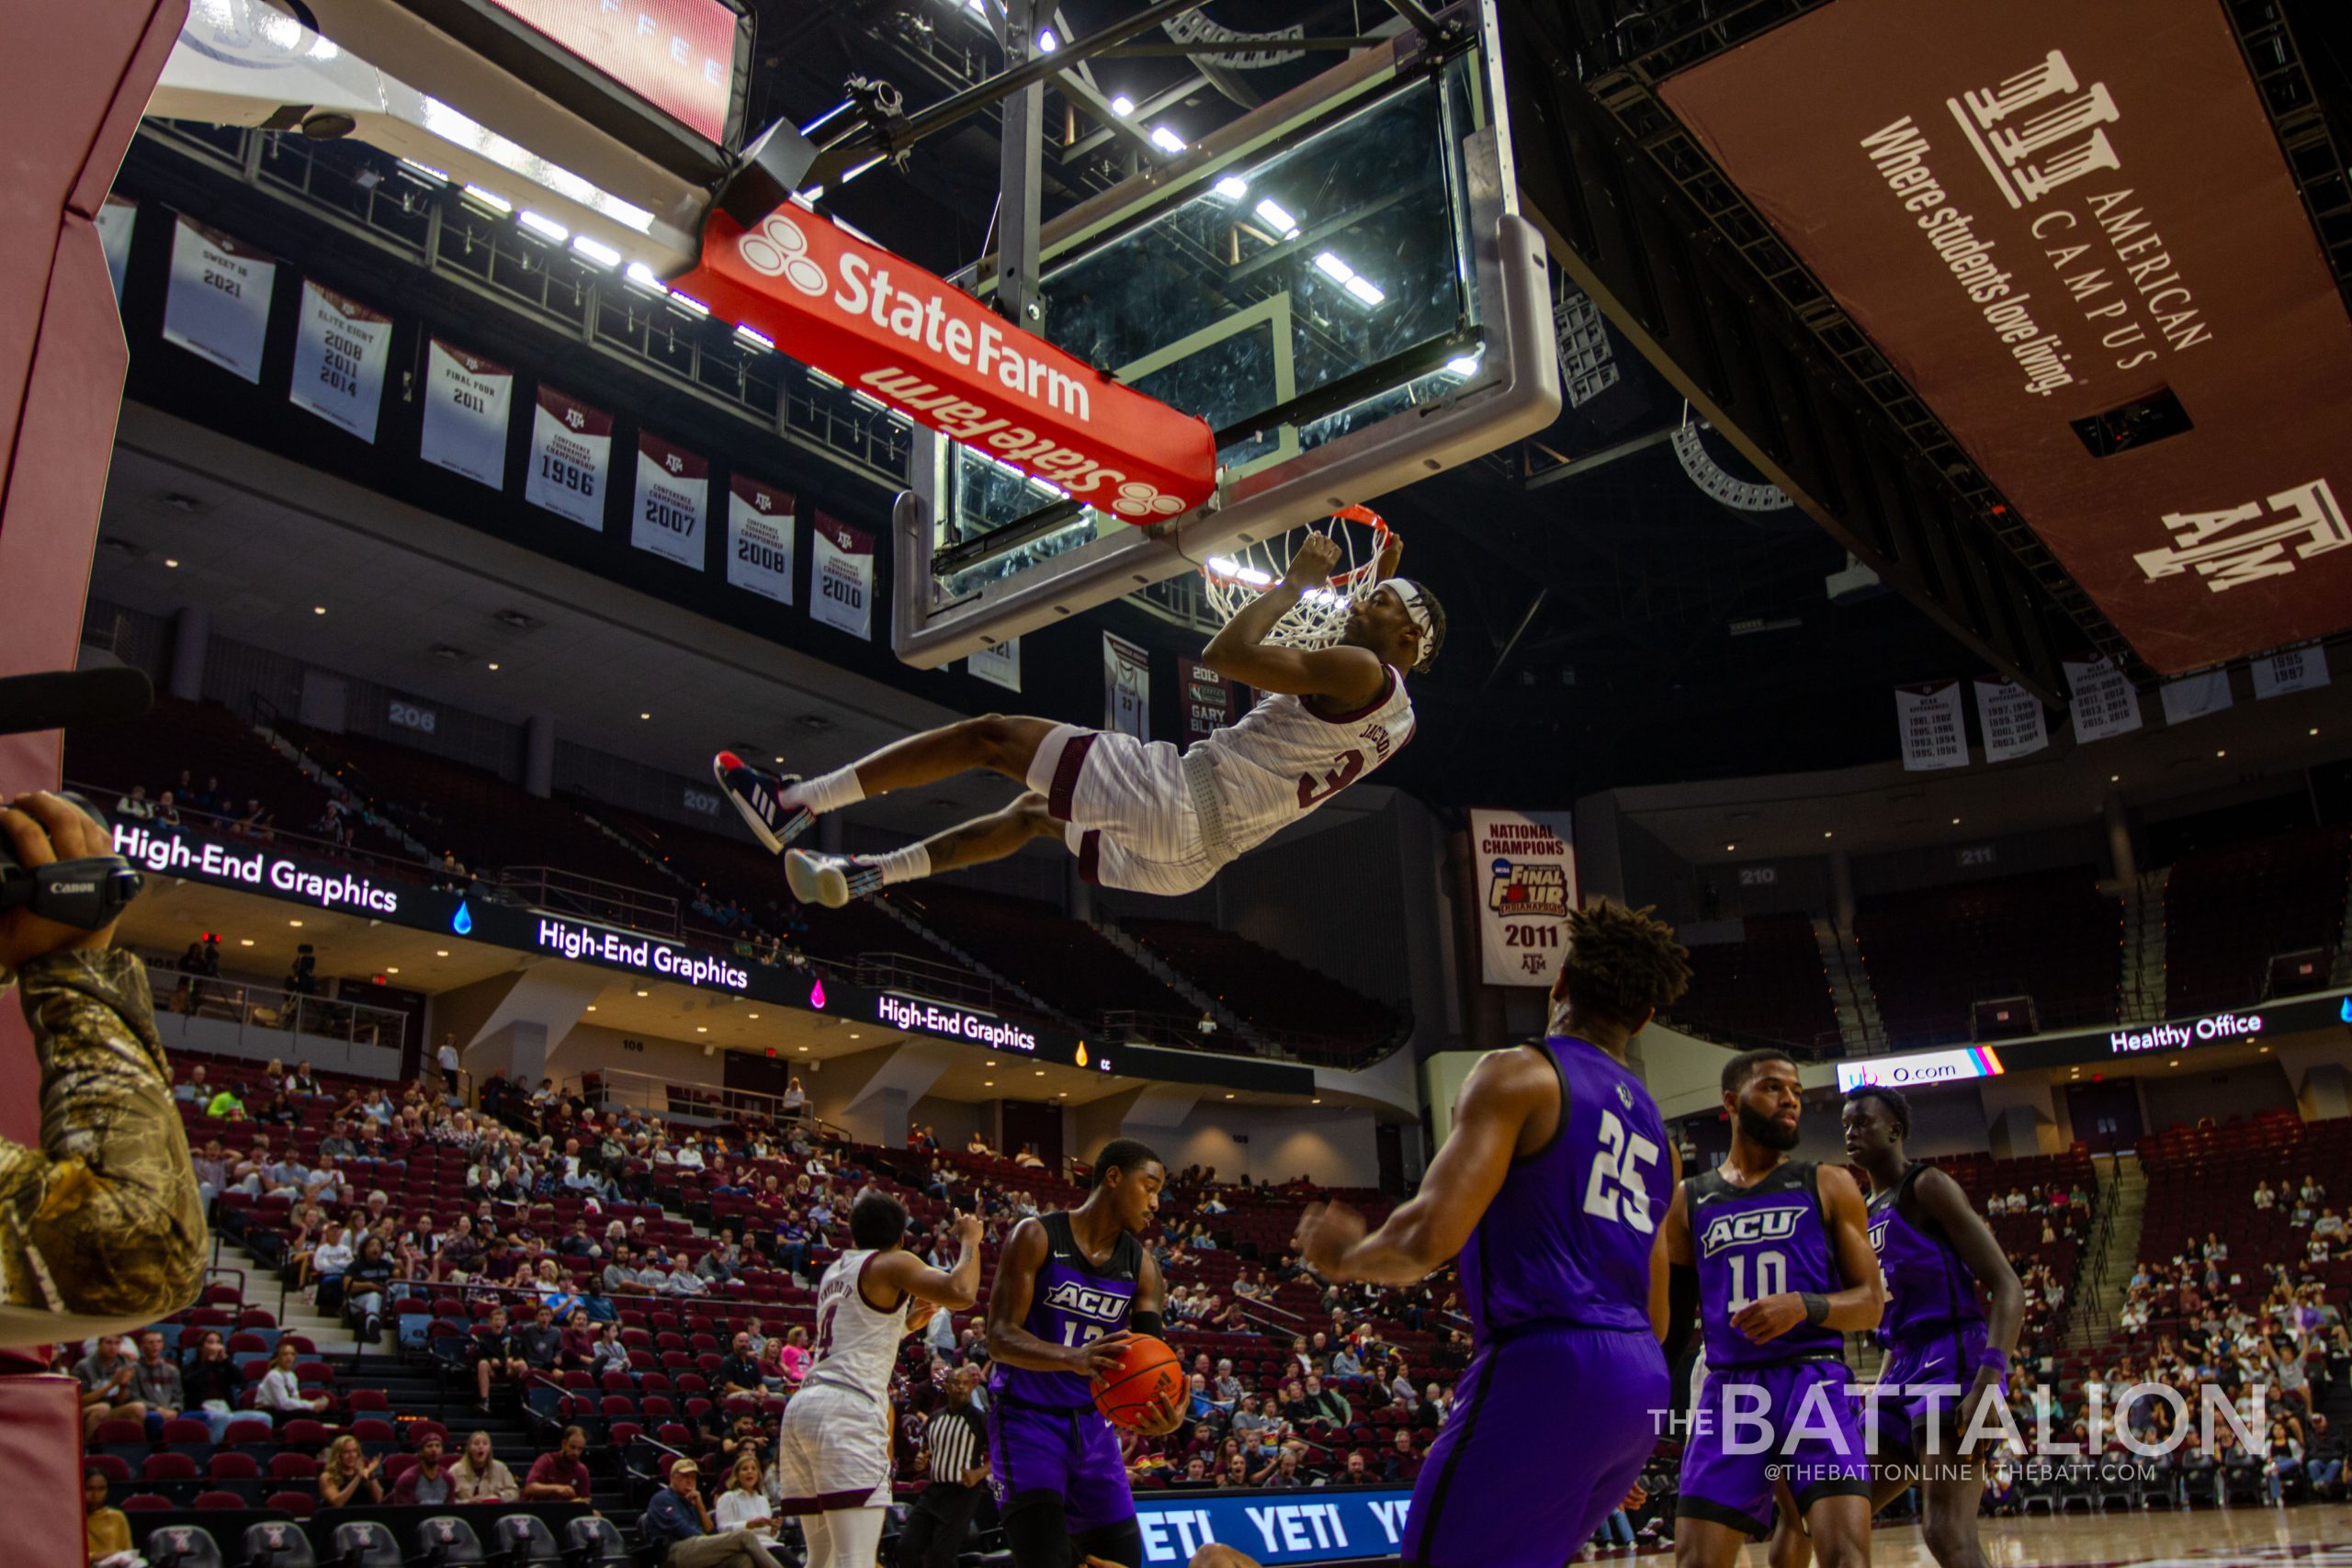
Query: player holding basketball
point(1776, 1254)
point(1140, 815)
point(1550, 1187)
point(1071, 1290)
point(834, 1457)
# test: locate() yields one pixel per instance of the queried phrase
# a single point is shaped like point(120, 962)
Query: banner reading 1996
point(1527, 883)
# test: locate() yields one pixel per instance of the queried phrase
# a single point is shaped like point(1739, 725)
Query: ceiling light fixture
point(296, 924)
point(1166, 139)
point(1048, 43)
point(318, 609)
point(1365, 290)
point(1233, 187)
point(440, 953)
point(168, 561)
point(493, 664)
point(491, 199)
point(1278, 218)
point(645, 993)
point(546, 228)
point(244, 941)
point(595, 250)
point(1123, 105)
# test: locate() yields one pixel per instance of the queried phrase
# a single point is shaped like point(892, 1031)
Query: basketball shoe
point(830, 880)
point(759, 799)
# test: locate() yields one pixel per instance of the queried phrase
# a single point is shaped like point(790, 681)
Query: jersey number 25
point(1614, 1191)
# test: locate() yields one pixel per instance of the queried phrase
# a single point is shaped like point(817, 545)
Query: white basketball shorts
point(1127, 810)
point(834, 1452)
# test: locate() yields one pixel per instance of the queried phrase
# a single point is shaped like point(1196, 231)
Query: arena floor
point(2311, 1536)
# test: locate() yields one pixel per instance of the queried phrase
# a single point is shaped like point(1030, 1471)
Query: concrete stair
point(298, 1314)
point(1174, 979)
point(2143, 947)
point(2123, 1186)
point(1859, 1027)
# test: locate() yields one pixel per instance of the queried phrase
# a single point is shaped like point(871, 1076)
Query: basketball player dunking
point(833, 1457)
point(1072, 1289)
point(1551, 1186)
point(1783, 1270)
point(1139, 816)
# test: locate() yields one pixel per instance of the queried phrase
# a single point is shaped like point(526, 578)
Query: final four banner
point(1126, 687)
point(1527, 884)
point(841, 576)
point(218, 306)
point(571, 458)
point(673, 501)
point(340, 350)
point(467, 399)
point(1935, 735)
point(759, 537)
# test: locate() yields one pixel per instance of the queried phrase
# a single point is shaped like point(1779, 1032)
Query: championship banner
point(999, 666)
point(217, 305)
point(465, 404)
point(1208, 701)
point(2290, 670)
point(841, 576)
point(759, 537)
point(340, 349)
point(571, 466)
point(2105, 703)
point(1934, 733)
point(1126, 687)
point(1527, 884)
point(2011, 718)
point(117, 217)
point(884, 326)
point(2194, 696)
point(2074, 232)
point(673, 501)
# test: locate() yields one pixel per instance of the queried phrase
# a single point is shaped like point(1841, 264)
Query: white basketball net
point(1236, 579)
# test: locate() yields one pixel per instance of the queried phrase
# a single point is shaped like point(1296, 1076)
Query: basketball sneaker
point(759, 800)
point(830, 880)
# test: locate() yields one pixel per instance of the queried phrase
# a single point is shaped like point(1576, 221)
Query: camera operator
point(101, 1227)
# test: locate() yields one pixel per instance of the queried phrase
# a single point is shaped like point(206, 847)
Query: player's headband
point(1415, 605)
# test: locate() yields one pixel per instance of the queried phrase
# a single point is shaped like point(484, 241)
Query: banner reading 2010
point(1527, 883)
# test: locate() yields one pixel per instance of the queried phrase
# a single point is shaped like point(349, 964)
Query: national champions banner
point(1527, 884)
point(217, 305)
point(841, 576)
point(340, 349)
point(1126, 687)
point(759, 537)
point(673, 501)
point(1208, 701)
point(571, 458)
point(467, 399)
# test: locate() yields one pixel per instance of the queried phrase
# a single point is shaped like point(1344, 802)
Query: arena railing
point(621, 1089)
point(616, 903)
point(268, 1014)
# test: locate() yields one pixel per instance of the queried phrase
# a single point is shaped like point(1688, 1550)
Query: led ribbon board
point(913, 341)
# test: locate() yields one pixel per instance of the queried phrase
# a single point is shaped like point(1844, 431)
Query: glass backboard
point(1338, 283)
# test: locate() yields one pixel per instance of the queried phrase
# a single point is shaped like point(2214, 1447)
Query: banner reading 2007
point(1527, 883)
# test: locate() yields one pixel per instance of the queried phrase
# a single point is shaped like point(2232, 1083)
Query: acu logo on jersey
point(1084, 1301)
point(1754, 1225)
point(1878, 1236)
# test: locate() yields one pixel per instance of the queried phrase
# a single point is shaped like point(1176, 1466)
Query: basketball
point(1147, 1371)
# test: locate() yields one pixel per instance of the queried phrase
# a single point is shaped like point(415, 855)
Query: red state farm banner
point(2049, 218)
point(878, 322)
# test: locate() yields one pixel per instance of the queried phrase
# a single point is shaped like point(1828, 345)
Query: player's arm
point(1661, 1267)
point(1941, 1200)
point(1239, 651)
point(1391, 554)
point(1016, 1282)
point(1151, 1299)
point(1681, 1274)
point(1501, 1093)
point(1853, 1310)
point(956, 1289)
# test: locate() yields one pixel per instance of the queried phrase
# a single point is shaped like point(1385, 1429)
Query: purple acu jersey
point(1569, 1237)
point(1072, 1303)
point(1754, 1241)
point(1929, 1290)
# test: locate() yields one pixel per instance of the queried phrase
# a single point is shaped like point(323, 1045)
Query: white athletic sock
point(909, 865)
point(827, 792)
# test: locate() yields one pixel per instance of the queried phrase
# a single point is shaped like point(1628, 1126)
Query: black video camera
point(86, 894)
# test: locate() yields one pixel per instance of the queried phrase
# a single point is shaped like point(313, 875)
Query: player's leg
point(1948, 1494)
point(1790, 1546)
point(1726, 1496)
point(835, 880)
point(843, 1537)
point(1841, 1528)
point(778, 809)
point(1100, 1509)
point(1028, 1474)
point(1036, 1531)
point(1121, 1543)
point(1706, 1543)
point(1831, 1462)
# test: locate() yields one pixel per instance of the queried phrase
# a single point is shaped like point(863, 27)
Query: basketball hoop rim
point(1341, 582)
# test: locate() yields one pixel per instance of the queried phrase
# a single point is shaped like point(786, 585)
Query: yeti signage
point(2072, 230)
point(937, 354)
point(1527, 883)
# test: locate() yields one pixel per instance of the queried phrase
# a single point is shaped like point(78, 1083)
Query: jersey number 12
point(1614, 1191)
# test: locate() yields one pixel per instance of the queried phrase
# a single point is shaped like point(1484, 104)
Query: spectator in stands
point(136, 804)
point(1345, 1363)
point(344, 1473)
point(106, 1531)
point(496, 1354)
point(1028, 1159)
point(426, 1484)
point(1255, 1428)
point(461, 1249)
point(2323, 1458)
point(167, 811)
point(1326, 1404)
point(562, 1476)
point(1225, 1389)
point(744, 1505)
point(721, 1261)
point(540, 1341)
point(1437, 1404)
point(683, 1281)
point(480, 1477)
point(1400, 1465)
point(792, 1247)
point(1358, 1471)
point(609, 1354)
point(193, 1089)
point(106, 1376)
point(210, 1382)
point(738, 1370)
point(365, 1284)
point(281, 1387)
point(795, 1101)
point(795, 1357)
point(155, 1382)
point(225, 1106)
point(679, 1530)
point(1284, 1470)
point(977, 1145)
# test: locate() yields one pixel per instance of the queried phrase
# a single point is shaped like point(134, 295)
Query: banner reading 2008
point(1527, 884)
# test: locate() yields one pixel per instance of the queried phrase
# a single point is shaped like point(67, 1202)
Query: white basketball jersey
point(856, 1347)
point(1282, 759)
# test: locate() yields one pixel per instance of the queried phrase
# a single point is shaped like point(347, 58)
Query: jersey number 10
point(1614, 1191)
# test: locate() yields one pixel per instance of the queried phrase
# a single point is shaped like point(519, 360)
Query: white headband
point(1410, 597)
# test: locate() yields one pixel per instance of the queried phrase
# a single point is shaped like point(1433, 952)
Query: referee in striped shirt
point(959, 1450)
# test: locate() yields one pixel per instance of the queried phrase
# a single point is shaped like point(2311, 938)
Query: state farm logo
point(777, 248)
point(2239, 544)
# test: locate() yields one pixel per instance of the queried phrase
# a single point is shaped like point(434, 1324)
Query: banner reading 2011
point(1527, 883)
